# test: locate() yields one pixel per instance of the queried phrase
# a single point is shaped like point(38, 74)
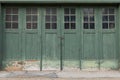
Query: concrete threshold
point(61, 74)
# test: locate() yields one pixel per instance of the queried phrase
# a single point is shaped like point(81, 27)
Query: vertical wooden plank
point(51, 55)
point(60, 34)
point(82, 52)
point(98, 34)
point(70, 43)
point(1, 29)
point(20, 32)
point(118, 23)
point(117, 18)
point(23, 22)
point(40, 36)
point(79, 31)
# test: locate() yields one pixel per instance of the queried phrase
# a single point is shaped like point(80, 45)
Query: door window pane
point(15, 17)
point(105, 18)
point(89, 18)
point(15, 25)
point(31, 18)
point(54, 25)
point(11, 18)
point(8, 17)
point(51, 18)
point(54, 18)
point(47, 25)
point(85, 25)
point(66, 25)
point(105, 25)
point(73, 26)
point(92, 26)
point(108, 18)
point(8, 25)
point(69, 18)
point(111, 18)
point(111, 25)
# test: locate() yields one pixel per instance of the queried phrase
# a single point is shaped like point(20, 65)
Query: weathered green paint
point(60, 48)
point(118, 29)
point(0, 37)
point(70, 44)
point(51, 45)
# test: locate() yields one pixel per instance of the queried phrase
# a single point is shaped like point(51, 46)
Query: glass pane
point(66, 11)
point(28, 18)
point(28, 11)
point(54, 18)
point(47, 25)
point(48, 11)
point(14, 25)
point(48, 18)
point(111, 11)
point(105, 11)
point(54, 25)
point(73, 26)
point(54, 11)
point(105, 18)
point(92, 26)
point(29, 25)
point(86, 11)
point(8, 17)
point(15, 10)
point(66, 25)
point(111, 18)
point(86, 18)
point(34, 10)
point(91, 11)
point(8, 11)
point(91, 18)
point(66, 18)
point(15, 17)
point(85, 25)
point(72, 18)
point(34, 18)
point(34, 25)
point(72, 11)
point(8, 25)
point(111, 25)
point(105, 25)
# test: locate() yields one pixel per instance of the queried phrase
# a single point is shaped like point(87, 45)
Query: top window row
point(51, 18)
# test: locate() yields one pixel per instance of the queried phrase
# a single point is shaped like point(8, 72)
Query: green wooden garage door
point(62, 37)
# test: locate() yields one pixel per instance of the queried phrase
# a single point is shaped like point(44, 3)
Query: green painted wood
point(60, 48)
point(31, 41)
point(60, 1)
point(70, 45)
point(79, 30)
point(40, 37)
point(118, 19)
point(90, 54)
point(109, 47)
point(11, 41)
point(51, 45)
point(1, 37)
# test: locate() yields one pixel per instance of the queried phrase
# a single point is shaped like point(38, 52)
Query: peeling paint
point(22, 65)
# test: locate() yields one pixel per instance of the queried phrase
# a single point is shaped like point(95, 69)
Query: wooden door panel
point(11, 46)
point(31, 46)
point(71, 52)
point(51, 57)
point(50, 39)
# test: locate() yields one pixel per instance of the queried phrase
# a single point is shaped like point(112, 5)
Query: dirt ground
point(43, 78)
point(111, 75)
